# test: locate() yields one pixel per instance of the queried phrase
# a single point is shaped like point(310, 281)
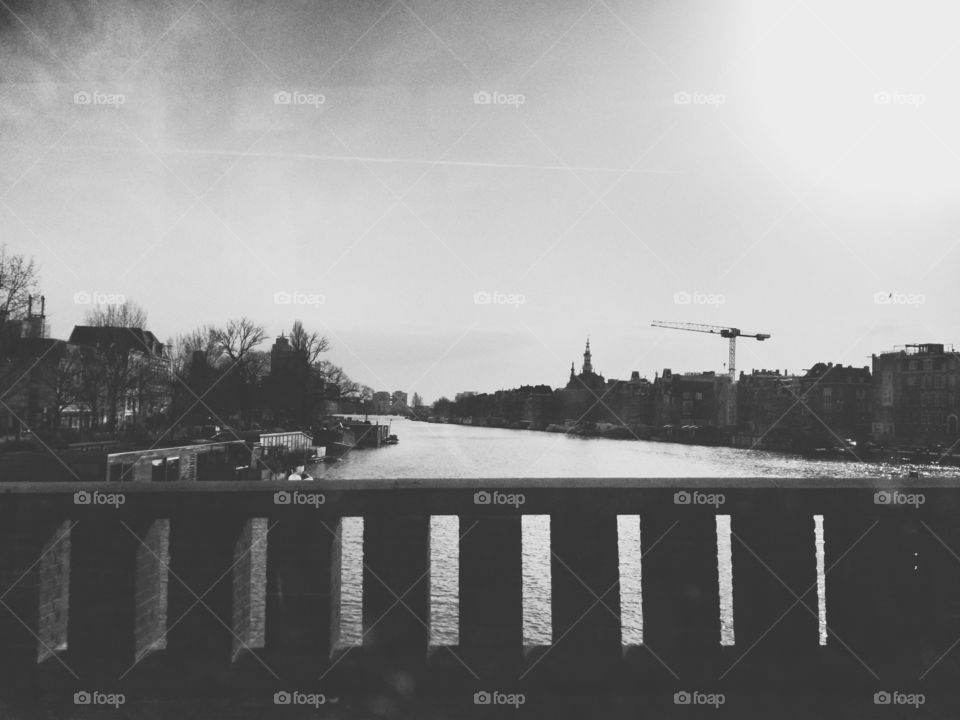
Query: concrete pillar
point(21, 542)
point(250, 588)
point(151, 587)
point(491, 596)
point(102, 582)
point(938, 586)
point(53, 571)
point(586, 651)
point(298, 602)
point(874, 601)
point(681, 594)
point(774, 553)
point(396, 552)
point(202, 553)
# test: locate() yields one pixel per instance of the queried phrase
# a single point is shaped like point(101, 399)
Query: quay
point(173, 598)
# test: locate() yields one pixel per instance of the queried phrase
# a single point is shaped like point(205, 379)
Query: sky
point(458, 193)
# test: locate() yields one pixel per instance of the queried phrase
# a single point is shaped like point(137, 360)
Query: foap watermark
point(883, 297)
point(685, 497)
point(95, 697)
point(85, 497)
point(695, 697)
point(98, 298)
point(285, 497)
point(482, 297)
point(683, 97)
point(314, 100)
point(897, 498)
point(495, 697)
point(114, 100)
point(896, 697)
point(698, 298)
point(283, 297)
point(495, 497)
point(296, 697)
point(483, 97)
point(887, 97)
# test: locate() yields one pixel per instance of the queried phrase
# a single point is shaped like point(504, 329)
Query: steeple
point(572, 372)
point(587, 366)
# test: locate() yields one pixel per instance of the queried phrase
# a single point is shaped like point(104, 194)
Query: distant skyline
point(787, 168)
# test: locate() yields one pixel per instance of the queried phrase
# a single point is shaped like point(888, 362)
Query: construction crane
point(727, 332)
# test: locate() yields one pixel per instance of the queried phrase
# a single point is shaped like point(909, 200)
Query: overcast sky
point(781, 163)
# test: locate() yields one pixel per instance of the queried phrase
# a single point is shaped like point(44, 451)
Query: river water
point(430, 450)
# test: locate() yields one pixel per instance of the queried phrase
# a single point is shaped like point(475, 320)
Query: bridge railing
point(234, 589)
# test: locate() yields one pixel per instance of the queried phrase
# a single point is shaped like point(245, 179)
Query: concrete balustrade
point(219, 589)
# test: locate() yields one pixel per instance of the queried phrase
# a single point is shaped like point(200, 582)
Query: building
point(915, 395)
point(694, 400)
point(129, 372)
point(381, 402)
point(537, 406)
point(584, 396)
point(291, 395)
point(767, 409)
point(398, 402)
point(29, 362)
point(835, 405)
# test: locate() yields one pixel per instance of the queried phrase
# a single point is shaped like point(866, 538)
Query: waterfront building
point(290, 394)
point(537, 406)
point(585, 396)
point(835, 405)
point(398, 402)
point(381, 402)
point(129, 371)
point(767, 409)
point(701, 400)
point(916, 395)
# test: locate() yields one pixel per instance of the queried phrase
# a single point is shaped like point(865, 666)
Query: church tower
point(587, 366)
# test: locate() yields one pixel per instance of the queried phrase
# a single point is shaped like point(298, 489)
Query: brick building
point(767, 409)
point(915, 395)
point(836, 405)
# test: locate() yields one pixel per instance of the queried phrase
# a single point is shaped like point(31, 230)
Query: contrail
point(354, 158)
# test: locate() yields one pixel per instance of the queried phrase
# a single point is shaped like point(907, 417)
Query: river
point(432, 450)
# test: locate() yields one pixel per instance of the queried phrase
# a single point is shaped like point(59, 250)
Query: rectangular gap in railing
point(821, 578)
point(631, 580)
point(444, 580)
point(725, 570)
point(348, 596)
point(537, 581)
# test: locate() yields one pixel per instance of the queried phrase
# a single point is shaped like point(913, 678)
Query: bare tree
point(237, 341)
point(311, 344)
point(125, 315)
point(335, 375)
point(201, 340)
point(332, 374)
point(238, 338)
point(19, 279)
